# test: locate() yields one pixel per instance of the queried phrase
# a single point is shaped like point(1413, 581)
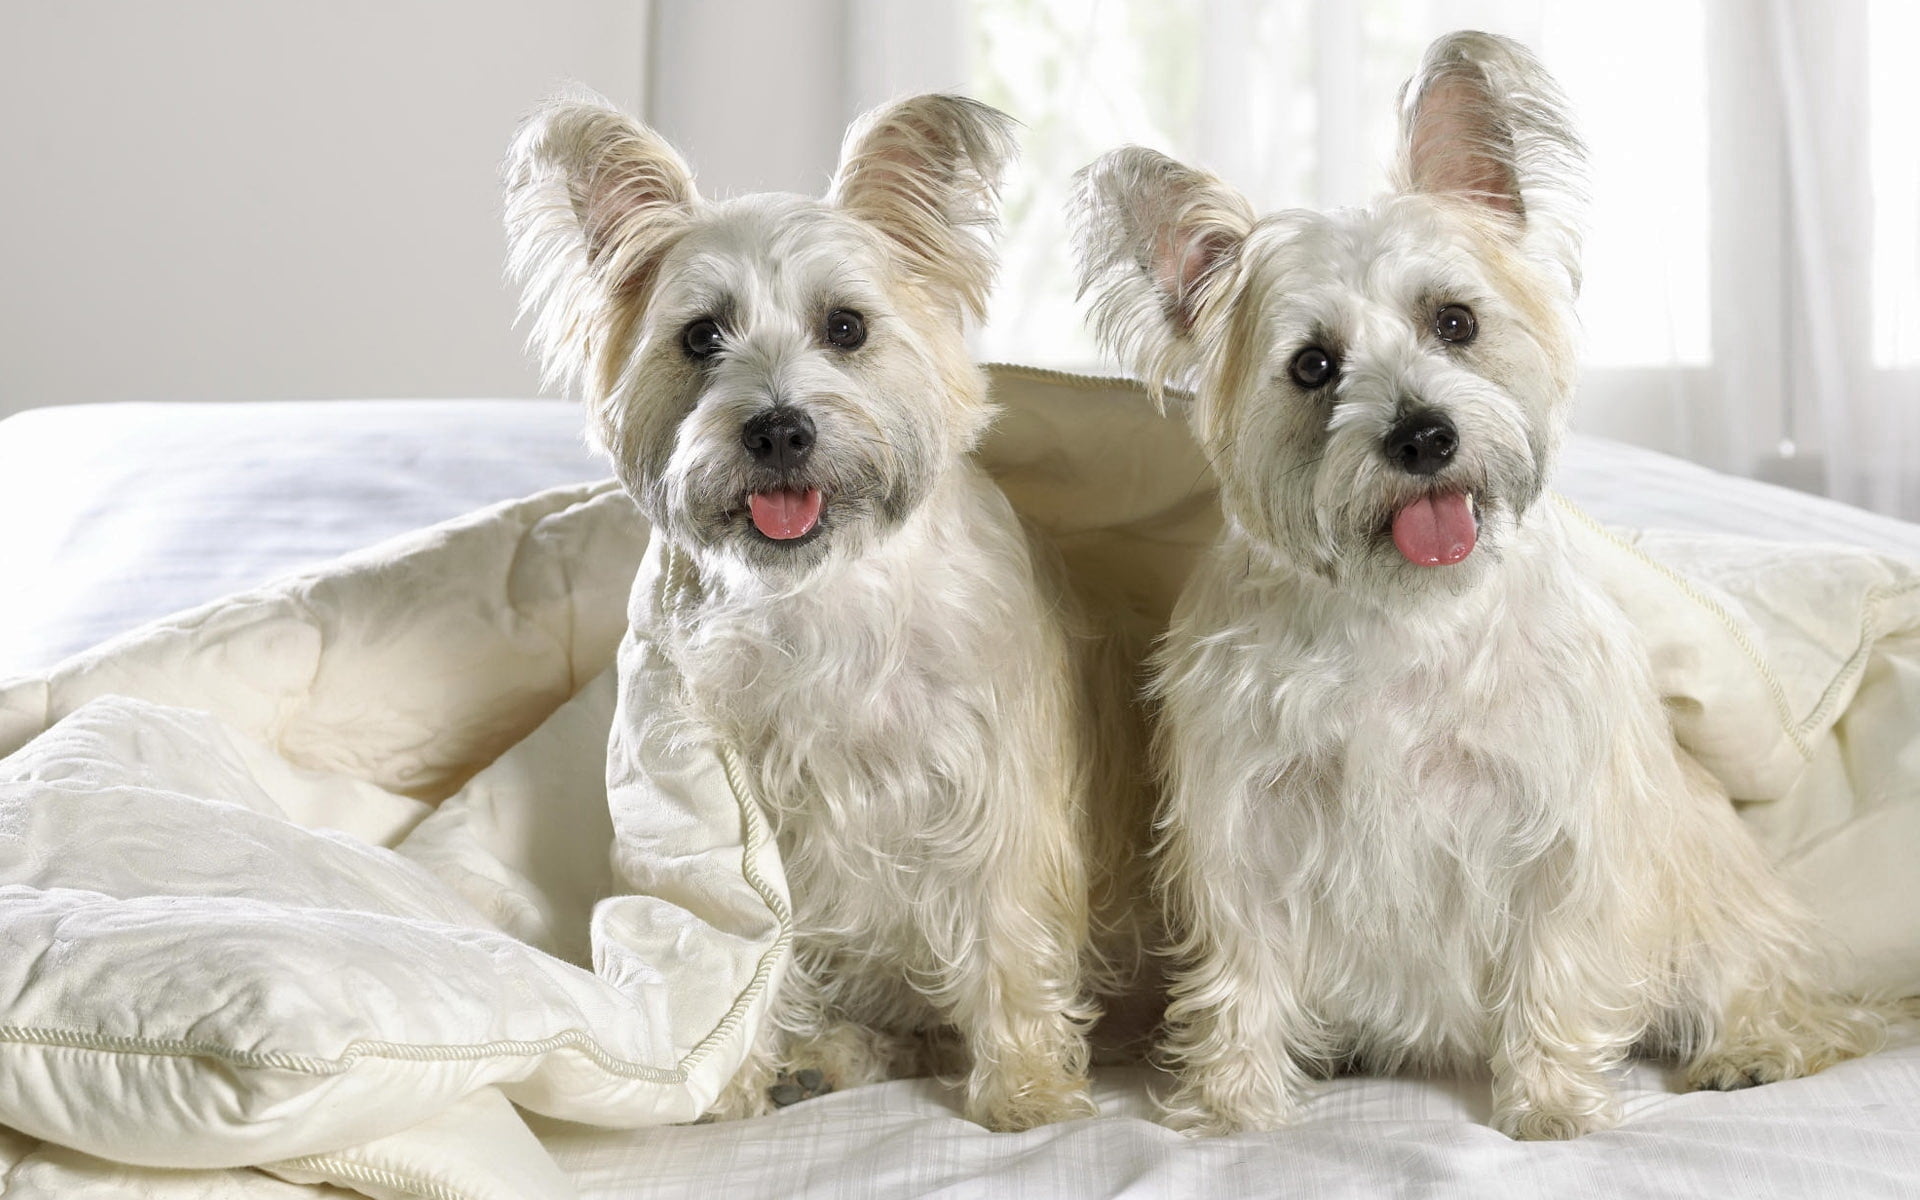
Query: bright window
point(1293, 104)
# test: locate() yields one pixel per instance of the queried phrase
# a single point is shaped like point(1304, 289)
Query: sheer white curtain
point(1753, 275)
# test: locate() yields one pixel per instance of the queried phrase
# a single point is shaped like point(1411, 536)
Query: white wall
point(758, 93)
point(268, 199)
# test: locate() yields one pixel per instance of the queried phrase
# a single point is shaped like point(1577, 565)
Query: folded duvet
point(327, 882)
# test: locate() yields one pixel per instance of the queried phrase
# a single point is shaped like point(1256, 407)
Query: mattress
point(120, 514)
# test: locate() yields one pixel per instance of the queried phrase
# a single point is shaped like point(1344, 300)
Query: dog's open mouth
point(1437, 530)
point(786, 515)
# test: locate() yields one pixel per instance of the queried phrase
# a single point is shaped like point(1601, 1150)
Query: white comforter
point(308, 884)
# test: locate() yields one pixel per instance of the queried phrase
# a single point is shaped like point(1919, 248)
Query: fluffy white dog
point(1424, 806)
point(783, 385)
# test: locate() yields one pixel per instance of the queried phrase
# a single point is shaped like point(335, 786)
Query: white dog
point(1424, 807)
point(784, 387)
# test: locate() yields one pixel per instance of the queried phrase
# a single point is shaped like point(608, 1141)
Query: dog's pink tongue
point(1435, 531)
point(785, 515)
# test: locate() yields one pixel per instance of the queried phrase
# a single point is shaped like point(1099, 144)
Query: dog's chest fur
point(1406, 779)
point(882, 704)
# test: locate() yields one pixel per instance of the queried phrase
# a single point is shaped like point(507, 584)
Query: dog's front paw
point(1229, 1099)
point(1787, 1045)
point(1553, 1106)
point(1539, 1097)
point(1008, 1102)
point(845, 1055)
point(1553, 1125)
point(1183, 1115)
point(1731, 1068)
point(747, 1095)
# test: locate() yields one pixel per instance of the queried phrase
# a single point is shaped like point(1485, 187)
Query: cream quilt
point(327, 884)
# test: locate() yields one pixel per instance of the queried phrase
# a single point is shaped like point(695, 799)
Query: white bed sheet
point(1852, 1133)
point(117, 514)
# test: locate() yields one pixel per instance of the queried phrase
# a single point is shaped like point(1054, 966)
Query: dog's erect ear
point(1481, 119)
point(594, 200)
point(1158, 244)
point(926, 172)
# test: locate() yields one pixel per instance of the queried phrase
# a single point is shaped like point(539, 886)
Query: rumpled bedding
point(331, 883)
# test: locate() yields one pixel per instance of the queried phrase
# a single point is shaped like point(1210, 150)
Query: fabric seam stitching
point(756, 835)
point(1870, 629)
point(323, 1164)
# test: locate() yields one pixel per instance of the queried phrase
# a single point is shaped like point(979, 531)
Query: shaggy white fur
point(1424, 808)
point(854, 605)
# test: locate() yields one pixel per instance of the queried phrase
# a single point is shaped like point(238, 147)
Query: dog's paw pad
point(812, 1081)
point(783, 1094)
point(1042, 1101)
point(800, 1085)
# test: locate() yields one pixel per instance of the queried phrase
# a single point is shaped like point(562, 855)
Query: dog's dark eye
point(1454, 323)
point(1311, 368)
point(702, 339)
point(846, 329)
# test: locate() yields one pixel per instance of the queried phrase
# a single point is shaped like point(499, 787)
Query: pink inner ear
point(620, 196)
point(1180, 258)
point(1458, 148)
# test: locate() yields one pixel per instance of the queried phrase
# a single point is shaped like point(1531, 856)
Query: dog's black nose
point(779, 437)
point(1421, 443)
